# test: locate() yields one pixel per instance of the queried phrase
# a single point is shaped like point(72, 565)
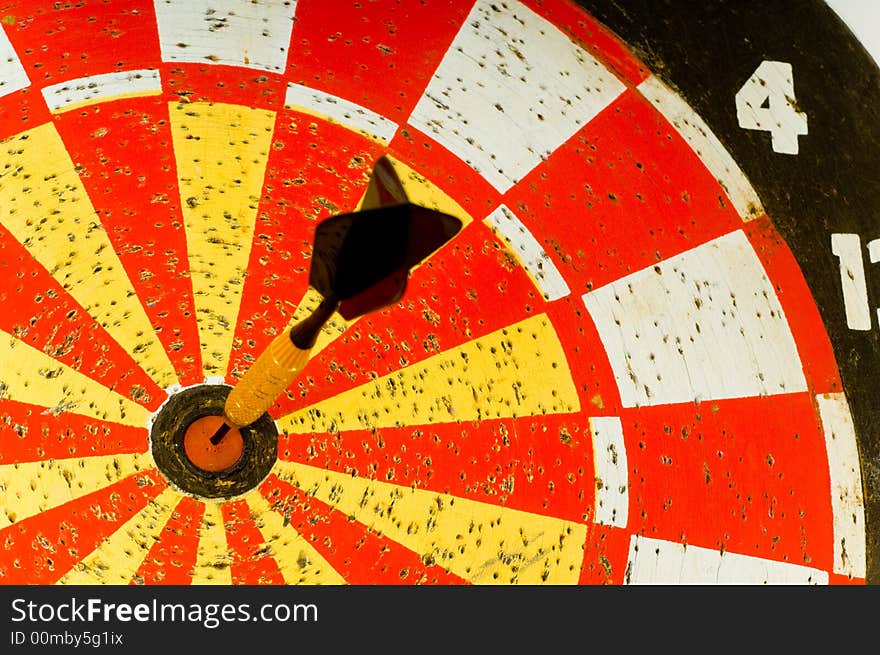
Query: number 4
point(767, 102)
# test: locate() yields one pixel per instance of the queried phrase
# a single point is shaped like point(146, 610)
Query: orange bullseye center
point(207, 456)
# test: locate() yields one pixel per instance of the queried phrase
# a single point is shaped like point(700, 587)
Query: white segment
point(707, 146)
point(848, 248)
point(655, 561)
point(511, 89)
point(12, 74)
point(231, 32)
point(98, 88)
point(612, 477)
point(534, 258)
point(847, 501)
point(340, 111)
point(703, 325)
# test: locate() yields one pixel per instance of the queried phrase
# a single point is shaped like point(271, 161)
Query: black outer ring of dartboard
point(706, 52)
point(260, 440)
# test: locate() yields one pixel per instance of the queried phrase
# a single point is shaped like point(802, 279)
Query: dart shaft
point(269, 376)
point(220, 433)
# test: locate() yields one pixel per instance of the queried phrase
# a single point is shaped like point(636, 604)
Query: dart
point(360, 264)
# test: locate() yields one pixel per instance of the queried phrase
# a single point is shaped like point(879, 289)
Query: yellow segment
point(221, 153)
point(482, 543)
point(419, 191)
point(297, 559)
point(213, 560)
point(520, 370)
point(30, 376)
point(45, 206)
point(33, 487)
point(117, 559)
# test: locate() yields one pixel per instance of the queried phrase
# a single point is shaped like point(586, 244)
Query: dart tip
point(221, 432)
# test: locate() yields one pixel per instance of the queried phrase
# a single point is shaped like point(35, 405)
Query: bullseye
point(206, 455)
point(182, 448)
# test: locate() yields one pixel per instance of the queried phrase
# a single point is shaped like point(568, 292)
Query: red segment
point(30, 435)
point(41, 549)
point(606, 553)
point(301, 188)
point(543, 465)
point(226, 84)
point(252, 563)
point(748, 476)
point(801, 312)
point(587, 360)
point(60, 41)
point(124, 155)
point(840, 579)
point(593, 37)
point(446, 171)
point(172, 558)
point(22, 111)
point(380, 55)
point(200, 449)
point(359, 555)
point(623, 193)
point(47, 318)
point(445, 305)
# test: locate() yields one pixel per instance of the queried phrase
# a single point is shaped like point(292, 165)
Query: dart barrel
point(267, 379)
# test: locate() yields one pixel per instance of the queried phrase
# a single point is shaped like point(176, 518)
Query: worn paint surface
point(298, 561)
point(618, 355)
point(67, 96)
point(118, 557)
point(484, 544)
point(503, 371)
point(54, 220)
point(221, 153)
point(656, 562)
point(213, 558)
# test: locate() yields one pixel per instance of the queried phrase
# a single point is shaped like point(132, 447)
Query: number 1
point(848, 247)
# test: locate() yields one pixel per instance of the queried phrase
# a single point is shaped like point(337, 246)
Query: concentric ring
point(169, 428)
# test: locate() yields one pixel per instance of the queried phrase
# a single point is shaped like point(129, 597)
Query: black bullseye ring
point(260, 448)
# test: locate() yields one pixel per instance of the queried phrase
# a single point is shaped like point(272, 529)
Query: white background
point(863, 18)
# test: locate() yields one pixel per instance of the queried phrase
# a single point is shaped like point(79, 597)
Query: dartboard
point(643, 359)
